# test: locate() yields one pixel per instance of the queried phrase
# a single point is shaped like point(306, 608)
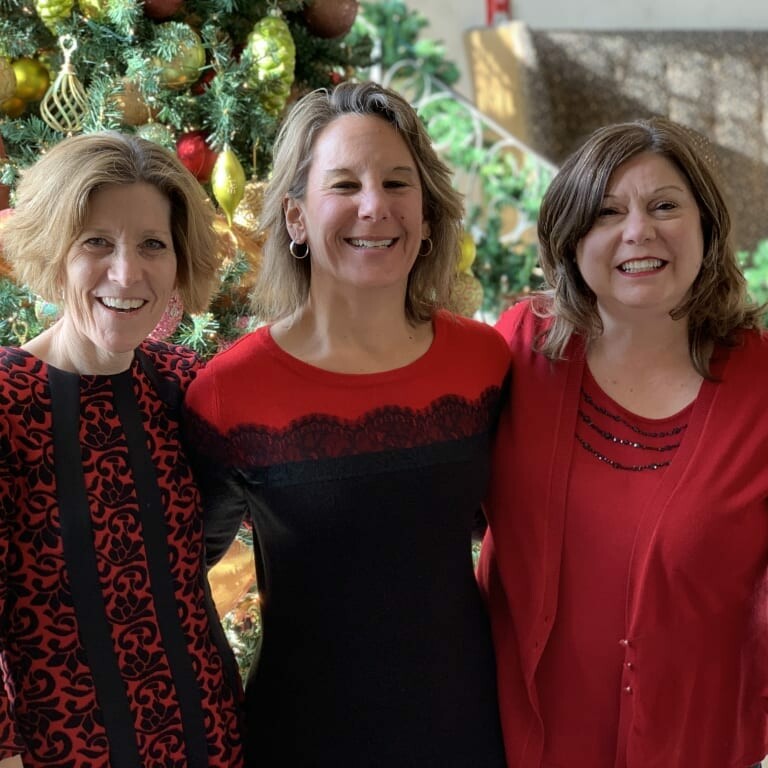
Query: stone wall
point(552, 88)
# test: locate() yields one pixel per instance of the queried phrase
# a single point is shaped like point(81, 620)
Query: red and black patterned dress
point(362, 490)
point(112, 654)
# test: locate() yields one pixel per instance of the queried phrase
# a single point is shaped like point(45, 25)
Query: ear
point(294, 219)
point(426, 230)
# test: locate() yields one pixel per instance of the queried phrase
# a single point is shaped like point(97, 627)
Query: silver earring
point(428, 241)
point(300, 255)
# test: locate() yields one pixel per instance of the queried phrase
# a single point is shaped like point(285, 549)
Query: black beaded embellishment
point(615, 440)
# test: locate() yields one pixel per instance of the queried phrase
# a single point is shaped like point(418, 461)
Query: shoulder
point(230, 374)
point(523, 319)
point(172, 361)
point(750, 355)
point(467, 330)
point(241, 355)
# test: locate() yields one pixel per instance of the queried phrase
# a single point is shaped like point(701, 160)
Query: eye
point(666, 205)
point(396, 184)
point(96, 242)
point(344, 186)
point(153, 244)
point(607, 210)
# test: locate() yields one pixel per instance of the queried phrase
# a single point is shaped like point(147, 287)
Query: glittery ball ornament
point(95, 10)
point(159, 133)
point(330, 18)
point(248, 212)
point(130, 101)
point(466, 296)
point(184, 68)
point(54, 12)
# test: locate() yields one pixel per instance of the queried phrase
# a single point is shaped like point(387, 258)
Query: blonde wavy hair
point(52, 205)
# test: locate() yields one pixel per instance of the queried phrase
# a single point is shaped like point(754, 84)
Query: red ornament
point(201, 86)
point(330, 18)
point(161, 9)
point(197, 156)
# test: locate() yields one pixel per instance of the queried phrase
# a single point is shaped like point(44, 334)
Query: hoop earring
point(428, 241)
point(298, 256)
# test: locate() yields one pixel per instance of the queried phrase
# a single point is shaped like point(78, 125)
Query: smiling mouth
point(121, 305)
point(360, 243)
point(641, 265)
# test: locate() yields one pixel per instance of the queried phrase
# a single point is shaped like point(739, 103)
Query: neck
point(353, 337)
point(61, 347)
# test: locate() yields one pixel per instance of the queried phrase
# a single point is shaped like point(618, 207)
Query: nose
point(125, 266)
point(638, 227)
point(373, 205)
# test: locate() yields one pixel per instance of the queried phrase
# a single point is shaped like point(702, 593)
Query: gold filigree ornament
point(65, 103)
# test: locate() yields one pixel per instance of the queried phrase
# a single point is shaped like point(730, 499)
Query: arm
point(12, 762)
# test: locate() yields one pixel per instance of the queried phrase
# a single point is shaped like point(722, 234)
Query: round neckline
point(308, 370)
point(631, 415)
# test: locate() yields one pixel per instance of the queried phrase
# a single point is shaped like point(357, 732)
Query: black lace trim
point(321, 436)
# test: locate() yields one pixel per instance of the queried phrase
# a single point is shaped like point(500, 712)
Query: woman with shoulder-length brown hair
point(625, 564)
point(112, 654)
point(354, 431)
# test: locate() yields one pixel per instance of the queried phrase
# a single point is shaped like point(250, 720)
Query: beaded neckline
point(611, 437)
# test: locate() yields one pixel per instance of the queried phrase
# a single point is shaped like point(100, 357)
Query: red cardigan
point(695, 678)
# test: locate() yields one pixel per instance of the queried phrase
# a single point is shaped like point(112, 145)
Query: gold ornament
point(32, 79)
point(6, 271)
point(235, 241)
point(53, 12)
point(130, 101)
point(232, 577)
point(95, 10)
point(65, 104)
point(7, 79)
point(228, 182)
point(184, 68)
point(248, 211)
point(466, 295)
point(13, 107)
point(467, 254)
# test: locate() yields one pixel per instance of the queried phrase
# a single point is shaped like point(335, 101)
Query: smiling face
point(362, 211)
point(120, 272)
point(645, 249)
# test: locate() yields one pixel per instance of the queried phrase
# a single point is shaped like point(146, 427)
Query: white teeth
point(641, 265)
point(371, 243)
point(114, 303)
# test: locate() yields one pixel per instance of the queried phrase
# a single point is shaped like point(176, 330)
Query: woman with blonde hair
point(112, 654)
point(354, 430)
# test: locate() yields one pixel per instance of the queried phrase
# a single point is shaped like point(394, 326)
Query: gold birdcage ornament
point(65, 103)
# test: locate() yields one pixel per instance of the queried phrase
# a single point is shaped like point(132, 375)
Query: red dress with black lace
point(112, 655)
point(362, 490)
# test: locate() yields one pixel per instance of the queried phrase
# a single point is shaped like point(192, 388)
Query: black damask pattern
point(48, 677)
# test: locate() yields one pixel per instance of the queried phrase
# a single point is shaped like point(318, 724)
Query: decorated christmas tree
point(209, 79)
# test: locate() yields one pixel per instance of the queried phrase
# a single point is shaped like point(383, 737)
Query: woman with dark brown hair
point(626, 561)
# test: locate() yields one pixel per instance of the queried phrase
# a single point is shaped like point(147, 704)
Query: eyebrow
point(397, 169)
point(656, 191)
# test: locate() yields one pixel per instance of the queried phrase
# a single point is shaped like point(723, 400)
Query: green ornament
point(228, 182)
point(53, 12)
point(271, 52)
point(184, 68)
point(160, 134)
